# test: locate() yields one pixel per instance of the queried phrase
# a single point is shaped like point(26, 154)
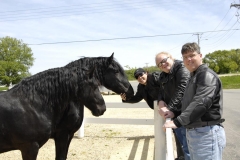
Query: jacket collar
point(175, 63)
point(202, 66)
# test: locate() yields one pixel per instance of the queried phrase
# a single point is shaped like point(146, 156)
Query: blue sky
point(134, 30)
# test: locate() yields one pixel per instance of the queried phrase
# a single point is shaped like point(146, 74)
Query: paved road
point(231, 112)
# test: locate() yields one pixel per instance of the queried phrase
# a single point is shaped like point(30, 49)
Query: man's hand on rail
point(162, 111)
point(169, 114)
point(162, 108)
point(162, 104)
point(169, 124)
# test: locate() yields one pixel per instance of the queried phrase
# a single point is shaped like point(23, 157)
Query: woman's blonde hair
point(164, 53)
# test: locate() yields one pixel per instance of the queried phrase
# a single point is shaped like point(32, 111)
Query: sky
point(61, 31)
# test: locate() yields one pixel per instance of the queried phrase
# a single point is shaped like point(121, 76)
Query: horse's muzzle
point(99, 111)
point(130, 92)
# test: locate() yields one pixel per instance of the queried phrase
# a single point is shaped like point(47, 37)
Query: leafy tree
point(15, 60)
point(236, 57)
point(130, 71)
point(223, 61)
point(151, 69)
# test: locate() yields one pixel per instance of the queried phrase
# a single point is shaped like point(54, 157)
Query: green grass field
point(230, 82)
point(3, 88)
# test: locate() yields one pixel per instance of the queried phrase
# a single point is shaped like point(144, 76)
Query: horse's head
point(90, 95)
point(115, 78)
point(109, 73)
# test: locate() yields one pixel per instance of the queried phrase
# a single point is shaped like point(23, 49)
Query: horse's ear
point(110, 59)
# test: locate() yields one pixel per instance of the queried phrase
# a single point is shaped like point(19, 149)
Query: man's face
point(192, 60)
point(164, 63)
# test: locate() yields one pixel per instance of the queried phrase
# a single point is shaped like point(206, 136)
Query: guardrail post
point(81, 130)
point(170, 154)
point(160, 140)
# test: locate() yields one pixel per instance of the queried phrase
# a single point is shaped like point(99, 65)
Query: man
point(202, 107)
point(173, 80)
point(147, 89)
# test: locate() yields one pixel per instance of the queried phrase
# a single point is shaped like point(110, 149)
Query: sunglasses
point(140, 74)
point(163, 61)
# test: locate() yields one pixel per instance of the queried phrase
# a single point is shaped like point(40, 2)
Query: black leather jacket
point(172, 86)
point(202, 101)
point(148, 92)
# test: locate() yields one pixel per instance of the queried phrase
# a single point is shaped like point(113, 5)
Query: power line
point(223, 39)
point(112, 3)
point(122, 38)
point(219, 23)
point(214, 36)
point(180, 44)
point(81, 10)
point(224, 35)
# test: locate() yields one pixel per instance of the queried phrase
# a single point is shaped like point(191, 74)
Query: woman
point(148, 88)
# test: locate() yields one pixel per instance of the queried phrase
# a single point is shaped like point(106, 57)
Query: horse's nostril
point(99, 113)
point(130, 91)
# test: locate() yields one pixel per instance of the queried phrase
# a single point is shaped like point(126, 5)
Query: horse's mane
point(54, 83)
point(100, 64)
point(50, 84)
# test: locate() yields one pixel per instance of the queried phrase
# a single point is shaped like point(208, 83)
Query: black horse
point(50, 104)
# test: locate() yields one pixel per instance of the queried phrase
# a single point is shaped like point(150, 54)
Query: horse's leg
point(69, 141)
point(62, 141)
point(30, 151)
point(63, 138)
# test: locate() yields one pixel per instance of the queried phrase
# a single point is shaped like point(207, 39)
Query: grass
point(230, 82)
point(3, 88)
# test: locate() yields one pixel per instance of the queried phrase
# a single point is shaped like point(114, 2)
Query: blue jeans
point(181, 135)
point(206, 143)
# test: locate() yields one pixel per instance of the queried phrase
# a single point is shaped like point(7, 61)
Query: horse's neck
point(53, 87)
point(99, 64)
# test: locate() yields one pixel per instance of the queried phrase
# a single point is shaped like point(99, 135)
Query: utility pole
point(238, 7)
point(146, 65)
point(198, 35)
point(235, 5)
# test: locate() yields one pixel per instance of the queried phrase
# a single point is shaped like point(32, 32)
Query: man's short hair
point(190, 47)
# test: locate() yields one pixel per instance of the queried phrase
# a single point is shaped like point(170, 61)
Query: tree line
point(16, 58)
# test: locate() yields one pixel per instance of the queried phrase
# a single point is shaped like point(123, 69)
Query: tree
point(15, 60)
point(223, 61)
point(130, 71)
